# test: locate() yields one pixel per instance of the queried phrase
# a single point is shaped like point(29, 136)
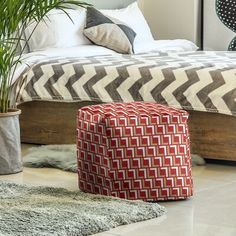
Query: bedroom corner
point(174, 19)
point(117, 118)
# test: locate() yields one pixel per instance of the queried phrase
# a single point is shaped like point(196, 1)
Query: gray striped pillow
point(109, 32)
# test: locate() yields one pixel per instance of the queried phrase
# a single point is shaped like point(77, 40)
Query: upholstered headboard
point(110, 4)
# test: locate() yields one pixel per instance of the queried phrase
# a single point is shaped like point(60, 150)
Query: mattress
point(30, 59)
point(192, 80)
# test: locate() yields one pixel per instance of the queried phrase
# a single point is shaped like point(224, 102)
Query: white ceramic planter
point(10, 145)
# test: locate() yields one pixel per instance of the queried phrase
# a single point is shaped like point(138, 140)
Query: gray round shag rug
point(44, 211)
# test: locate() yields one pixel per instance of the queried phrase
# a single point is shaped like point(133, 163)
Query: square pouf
point(134, 151)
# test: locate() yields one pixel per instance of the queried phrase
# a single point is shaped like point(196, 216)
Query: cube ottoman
point(134, 151)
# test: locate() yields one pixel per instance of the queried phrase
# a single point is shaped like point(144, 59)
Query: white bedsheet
point(178, 45)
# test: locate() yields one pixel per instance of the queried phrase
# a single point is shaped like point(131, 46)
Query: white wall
point(171, 19)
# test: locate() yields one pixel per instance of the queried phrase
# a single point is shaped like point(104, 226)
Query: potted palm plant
point(15, 16)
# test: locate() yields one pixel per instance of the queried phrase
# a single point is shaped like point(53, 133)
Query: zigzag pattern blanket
point(201, 81)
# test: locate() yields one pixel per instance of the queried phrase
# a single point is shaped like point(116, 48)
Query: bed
point(169, 72)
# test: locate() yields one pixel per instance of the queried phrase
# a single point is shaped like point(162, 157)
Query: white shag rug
point(64, 157)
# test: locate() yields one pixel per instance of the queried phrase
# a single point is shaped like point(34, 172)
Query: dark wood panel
point(212, 135)
point(49, 123)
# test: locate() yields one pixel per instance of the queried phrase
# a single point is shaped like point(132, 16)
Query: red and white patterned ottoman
point(134, 151)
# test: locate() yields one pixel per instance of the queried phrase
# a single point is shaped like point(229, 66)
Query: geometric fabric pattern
point(134, 151)
point(200, 81)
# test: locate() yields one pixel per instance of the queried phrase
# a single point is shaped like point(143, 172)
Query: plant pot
point(10, 145)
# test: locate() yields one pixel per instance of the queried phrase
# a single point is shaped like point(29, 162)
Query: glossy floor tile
point(211, 212)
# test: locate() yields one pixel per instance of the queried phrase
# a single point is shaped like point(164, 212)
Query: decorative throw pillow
point(59, 29)
point(134, 18)
point(108, 32)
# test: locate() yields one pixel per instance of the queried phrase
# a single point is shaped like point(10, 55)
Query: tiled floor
point(212, 211)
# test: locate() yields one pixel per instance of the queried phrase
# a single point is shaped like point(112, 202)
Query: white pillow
point(134, 18)
point(58, 31)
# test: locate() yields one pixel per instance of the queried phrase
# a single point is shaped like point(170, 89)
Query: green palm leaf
point(15, 16)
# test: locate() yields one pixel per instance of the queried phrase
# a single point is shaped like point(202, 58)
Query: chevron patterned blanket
point(201, 81)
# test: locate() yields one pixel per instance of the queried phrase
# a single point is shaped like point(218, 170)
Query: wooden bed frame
point(212, 135)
